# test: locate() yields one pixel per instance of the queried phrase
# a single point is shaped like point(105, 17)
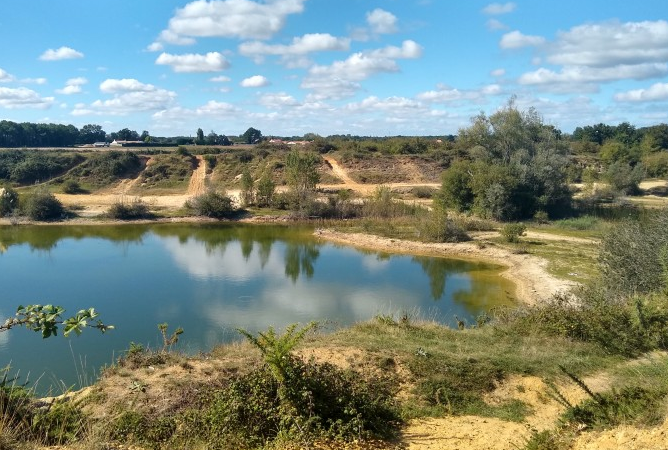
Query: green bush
point(212, 204)
point(438, 227)
point(129, 211)
point(72, 187)
point(324, 403)
point(512, 232)
point(43, 206)
point(9, 201)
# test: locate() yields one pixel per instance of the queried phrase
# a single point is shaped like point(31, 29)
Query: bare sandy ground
point(527, 272)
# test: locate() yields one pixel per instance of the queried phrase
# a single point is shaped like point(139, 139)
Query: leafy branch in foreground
point(48, 318)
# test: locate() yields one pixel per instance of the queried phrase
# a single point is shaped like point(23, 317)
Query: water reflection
point(212, 279)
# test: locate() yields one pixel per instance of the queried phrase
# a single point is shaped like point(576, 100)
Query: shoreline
point(528, 273)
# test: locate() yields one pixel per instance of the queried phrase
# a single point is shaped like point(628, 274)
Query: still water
point(210, 280)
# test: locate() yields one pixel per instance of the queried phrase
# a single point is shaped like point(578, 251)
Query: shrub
point(634, 255)
point(72, 187)
point(440, 228)
point(129, 211)
point(44, 206)
point(212, 204)
point(9, 201)
point(511, 232)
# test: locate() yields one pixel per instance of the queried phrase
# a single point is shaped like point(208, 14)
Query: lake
point(211, 279)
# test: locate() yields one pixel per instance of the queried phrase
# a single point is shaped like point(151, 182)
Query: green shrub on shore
point(134, 210)
point(212, 204)
point(43, 206)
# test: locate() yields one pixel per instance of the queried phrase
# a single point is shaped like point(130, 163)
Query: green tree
point(265, 190)
point(247, 187)
point(302, 173)
point(90, 134)
point(199, 140)
point(252, 136)
point(518, 167)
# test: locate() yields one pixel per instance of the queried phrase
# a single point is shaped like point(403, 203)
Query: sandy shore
point(533, 283)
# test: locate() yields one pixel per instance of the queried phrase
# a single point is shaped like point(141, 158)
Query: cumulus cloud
point(278, 100)
point(193, 63)
point(6, 77)
point(300, 46)
point(578, 75)
point(242, 19)
point(23, 98)
point(155, 47)
point(113, 86)
point(341, 78)
point(495, 9)
point(129, 95)
point(60, 54)
point(392, 104)
point(72, 86)
point(381, 21)
point(446, 94)
point(496, 25)
point(498, 72)
point(516, 39)
point(255, 81)
point(611, 43)
point(40, 80)
point(597, 53)
point(656, 92)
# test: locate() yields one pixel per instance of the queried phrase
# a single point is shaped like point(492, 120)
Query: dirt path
point(365, 189)
point(197, 185)
point(533, 283)
point(96, 204)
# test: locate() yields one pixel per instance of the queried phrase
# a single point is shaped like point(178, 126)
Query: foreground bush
point(44, 206)
point(212, 204)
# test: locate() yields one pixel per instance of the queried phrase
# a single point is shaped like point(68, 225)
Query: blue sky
point(367, 67)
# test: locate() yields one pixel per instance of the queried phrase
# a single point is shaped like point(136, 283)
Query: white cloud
point(656, 92)
point(611, 43)
point(255, 81)
point(220, 79)
point(192, 63)
point(309, 43)
point(391, 104)
point(60, 54)
point(40, 80)
point(516, 39)
point(23, 98)
point(278, 100)
point(446, 94)
point(243, 19)
point(341, 78)
point(6, 77)
point(129, 95)
point(114, 86)
point(381, 21)
point(495, 9)
point(155, 47)
point(575, 76)
point(72, 86)
point(498, 72)
point(496, 25)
